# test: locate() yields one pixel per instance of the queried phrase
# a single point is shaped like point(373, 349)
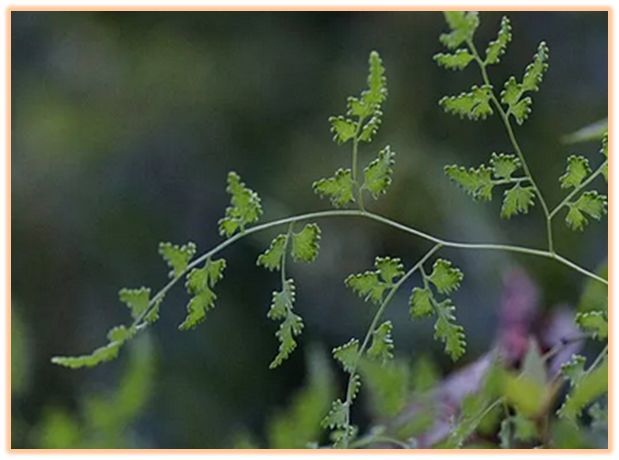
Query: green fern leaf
point(368, 105)
point(496, 48)
point(339, 188)
point(534, 73)
point(521, 110)
point(604, 151)
point(245, 207)
point(306, 243)
point(283, 301)
point(117, 336)
point(447, 331)
point(377, 175)
point(337, 416)
point(291, 325)
point(371, 127)
point(504, 165)
point(594, 322)
point(589, 203)
point(445, 276)
point(136, 299)
point(574, 369)
point(577, 170)
point(420, 303)
point(371, 285)
point(475, 182)
point(347, 355)
point(456, 61)
point(517, 200)
point(377, 82)
point(367, 285)
point(474, 105)
point(355, 386)
point(199, 284)
point(177, 257)
point(271, 259)
point(382, 343)
point(389, 268)
point(463, 26)
point(589, 387)
point(513, 91)
point(343, 129)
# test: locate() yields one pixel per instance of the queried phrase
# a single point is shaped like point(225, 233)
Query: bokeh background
point(123, 128)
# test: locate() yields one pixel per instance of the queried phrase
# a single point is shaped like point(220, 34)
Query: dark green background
point(125, 124)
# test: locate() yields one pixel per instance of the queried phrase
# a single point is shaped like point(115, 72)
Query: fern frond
point(474, 105)
point(347, 355)
point(245, 207)
point(497, 48)
point(177, 257)
point(377, 175)
point(382, 343)
point(339, 188)
point(306, 244)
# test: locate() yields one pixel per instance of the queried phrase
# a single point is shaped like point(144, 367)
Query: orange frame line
point(301, 8)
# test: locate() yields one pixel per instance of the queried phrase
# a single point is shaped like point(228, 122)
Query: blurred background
point(124, 126)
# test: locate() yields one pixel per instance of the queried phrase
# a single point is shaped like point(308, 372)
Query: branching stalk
point(510, 133)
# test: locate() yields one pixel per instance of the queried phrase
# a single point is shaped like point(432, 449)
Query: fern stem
point(372, 216)
point(372, 327)
point(355, 161)
point(512, 137)
point(578, 189)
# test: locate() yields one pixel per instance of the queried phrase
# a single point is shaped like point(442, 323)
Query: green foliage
point(504, 165)
point(377, 175)
point(445, 277)
point(517, 200)
point(336, 417)
point(512, 94)
point(199, 284)
point(343, 129)
point(347, 355)
point(585, 389)
point(305, 244)
point(117, 336)
point(339, 188)
point(245, 207)
point(577, 170)
point(447, 331)
point(298, 424)
point(371, 285)
point(463, 25)
point(454, 61)
point(474, 105)
point(271, 259)
point(497, 48)
point(421, 303)
point(388, 385)
point(291, 324)
point(103, 419)
point(595, 294)
point(474, 408)
point(177, 257)
point(391, 383)
point(382, 343)
point(590, 204)
point(476, 182)
point(594, 322)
